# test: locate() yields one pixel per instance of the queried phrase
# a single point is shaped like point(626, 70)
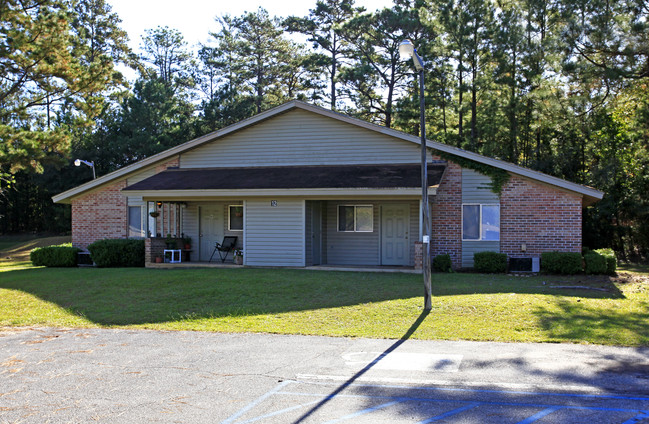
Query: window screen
point(356, 218)
point(471, 222)
point(235, 218)
point(481, 222)
point(135, 221)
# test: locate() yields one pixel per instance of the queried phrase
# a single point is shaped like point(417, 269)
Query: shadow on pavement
point(369, 366)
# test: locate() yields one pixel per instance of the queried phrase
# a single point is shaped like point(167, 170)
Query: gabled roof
point(289, 177)
point(590, 195)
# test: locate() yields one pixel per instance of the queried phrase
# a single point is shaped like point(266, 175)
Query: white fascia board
point(304, 193)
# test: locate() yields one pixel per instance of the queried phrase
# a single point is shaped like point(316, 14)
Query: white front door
point(395, 248)
point(211, 230)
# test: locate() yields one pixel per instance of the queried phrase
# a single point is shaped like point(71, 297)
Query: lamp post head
point(406, 49)
point(91, 164)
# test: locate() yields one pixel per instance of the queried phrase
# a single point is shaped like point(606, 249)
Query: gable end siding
point(475, 189)
point(301, 138)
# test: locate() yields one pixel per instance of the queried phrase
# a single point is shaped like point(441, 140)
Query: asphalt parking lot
point(124, 376)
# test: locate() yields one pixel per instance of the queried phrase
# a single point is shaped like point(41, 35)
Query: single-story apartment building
point(300, 185)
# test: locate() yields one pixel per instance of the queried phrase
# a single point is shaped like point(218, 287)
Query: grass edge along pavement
point(613, 311)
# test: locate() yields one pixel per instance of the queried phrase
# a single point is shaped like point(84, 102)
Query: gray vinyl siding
point(475, 189)
point(274, 235)
point(352, 248)
point(142, 175)
point(301, 138)
point(357, 248)
point(471, 247)
point(135, 201)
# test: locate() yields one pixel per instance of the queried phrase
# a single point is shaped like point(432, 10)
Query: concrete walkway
point(91, 375)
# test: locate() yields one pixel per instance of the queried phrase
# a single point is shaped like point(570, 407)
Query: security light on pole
point(91, 164)
point(406, 51)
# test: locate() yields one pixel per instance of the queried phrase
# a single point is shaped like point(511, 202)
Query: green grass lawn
point(379, 305)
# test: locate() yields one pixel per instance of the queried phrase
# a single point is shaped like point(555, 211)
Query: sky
point(195, 18)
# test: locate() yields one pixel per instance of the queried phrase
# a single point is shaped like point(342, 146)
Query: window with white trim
point(135, 221)
point(480, 222)
point(356, 218)
point(235, 218)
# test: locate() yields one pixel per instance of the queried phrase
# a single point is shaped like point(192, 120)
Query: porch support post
point(146, 220)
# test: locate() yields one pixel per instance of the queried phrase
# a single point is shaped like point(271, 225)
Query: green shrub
point(561, 262)
point(442, 263)
point(112, 253)
point(594, 263)
point(611, 260)
point(55, 256)
point(490, 262)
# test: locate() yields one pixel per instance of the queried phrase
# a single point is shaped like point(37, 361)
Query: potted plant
point(154, 214)
point(187, 242)
point(158, 259)
point(238, 256)
point(171, 243)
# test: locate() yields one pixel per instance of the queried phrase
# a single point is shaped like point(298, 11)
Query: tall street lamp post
point(406, 51)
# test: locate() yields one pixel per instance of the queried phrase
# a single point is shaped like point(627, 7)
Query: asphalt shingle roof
point(292, 177)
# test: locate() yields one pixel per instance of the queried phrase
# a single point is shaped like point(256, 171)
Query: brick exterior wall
point(102, 213)
point(446, 213)
point(542, 217)
point(99, 214)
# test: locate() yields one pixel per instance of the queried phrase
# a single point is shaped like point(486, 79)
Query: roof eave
point(591, 195)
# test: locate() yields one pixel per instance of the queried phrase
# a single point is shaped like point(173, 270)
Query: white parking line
point(256, 402)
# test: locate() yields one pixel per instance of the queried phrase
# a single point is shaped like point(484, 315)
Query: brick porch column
point(419, 257)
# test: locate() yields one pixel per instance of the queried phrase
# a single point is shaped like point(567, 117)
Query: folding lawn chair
point(224, 247)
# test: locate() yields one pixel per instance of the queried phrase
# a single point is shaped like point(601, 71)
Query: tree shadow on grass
point(132, 296)
point(570, 321)
point(585, 286)
point(141, 296)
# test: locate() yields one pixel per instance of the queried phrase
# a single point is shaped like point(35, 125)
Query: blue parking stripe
point(637, 418)
point(540, 415)
point(363, 412)
point(423, 399)
point(450, 413)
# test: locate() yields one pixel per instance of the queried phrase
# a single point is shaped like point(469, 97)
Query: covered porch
point(347, 216)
